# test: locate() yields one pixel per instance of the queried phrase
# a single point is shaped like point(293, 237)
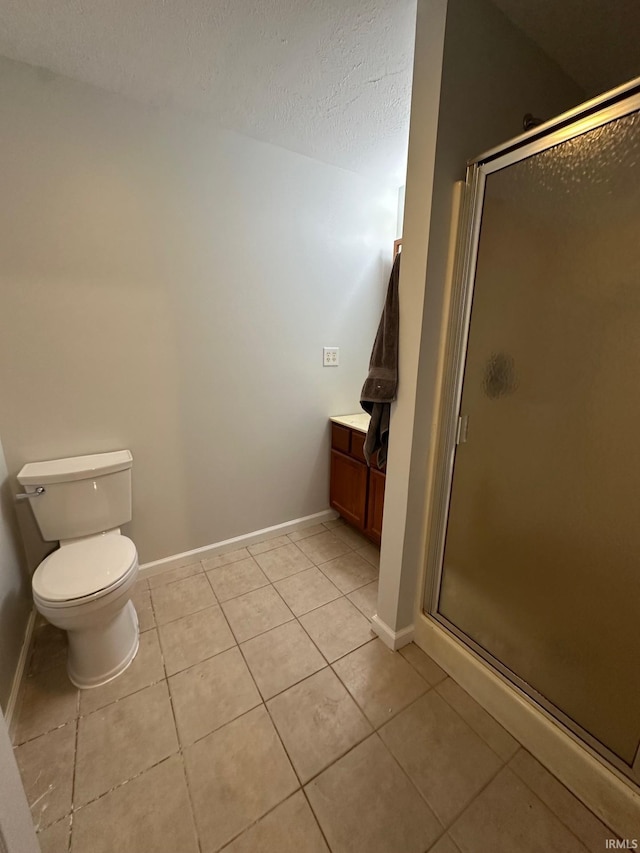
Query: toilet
point(84, 587)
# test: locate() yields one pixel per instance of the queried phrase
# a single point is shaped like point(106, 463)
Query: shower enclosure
point(534, 558)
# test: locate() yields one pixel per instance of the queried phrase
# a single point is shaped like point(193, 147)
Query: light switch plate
point(331, 356)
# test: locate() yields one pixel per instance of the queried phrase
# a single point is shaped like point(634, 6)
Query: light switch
point(331, 356)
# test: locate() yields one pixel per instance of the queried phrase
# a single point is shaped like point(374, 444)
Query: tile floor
point(262, 716)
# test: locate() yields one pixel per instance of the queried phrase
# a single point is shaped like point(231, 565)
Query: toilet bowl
point(84, 587)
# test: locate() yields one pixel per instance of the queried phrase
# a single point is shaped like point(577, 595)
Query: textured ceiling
point(327, 78)
point(596, 42)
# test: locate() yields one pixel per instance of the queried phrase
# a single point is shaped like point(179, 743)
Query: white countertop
point(359, 421)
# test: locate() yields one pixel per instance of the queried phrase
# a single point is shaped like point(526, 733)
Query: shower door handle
point(462, 429)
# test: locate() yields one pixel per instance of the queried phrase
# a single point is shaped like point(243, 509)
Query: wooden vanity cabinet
point(356, 491)
point(375, 503)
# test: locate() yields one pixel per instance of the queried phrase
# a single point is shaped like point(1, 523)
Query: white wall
point(168, 286)
point(491, 75)
point(15, 599)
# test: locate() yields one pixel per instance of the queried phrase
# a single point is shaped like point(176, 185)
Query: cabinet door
point(375, 505)
point(349, 488)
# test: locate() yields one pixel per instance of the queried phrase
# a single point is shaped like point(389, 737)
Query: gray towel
point(380, 386)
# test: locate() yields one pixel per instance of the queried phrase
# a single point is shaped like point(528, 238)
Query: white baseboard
point(16, 687)
point(196, 554)
point(603, 790)
point(393, 639)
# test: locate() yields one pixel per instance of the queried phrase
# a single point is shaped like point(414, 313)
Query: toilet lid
point(84, 568)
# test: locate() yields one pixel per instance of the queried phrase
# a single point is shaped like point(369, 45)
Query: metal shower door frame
point(588, 116)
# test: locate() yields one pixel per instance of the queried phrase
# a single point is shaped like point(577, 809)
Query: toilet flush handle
point(25, 496)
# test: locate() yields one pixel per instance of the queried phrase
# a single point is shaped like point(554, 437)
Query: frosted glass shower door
point(541, 567)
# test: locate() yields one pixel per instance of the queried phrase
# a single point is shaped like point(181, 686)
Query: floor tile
point(423, 664)
point(268, 545)
point(145, 669)
point(150, 814)
point(507, 816)
point(55, 838)
point(236, 579)
point(224, 559)
point(141, 599)
point(334, 522)
point(281, 657)
point(123, 739)
point(46, 766)
point(307, 590)
point(371, 553)
point(349, 572)
point(306, 532)
point(444, 845)
point(49, 649)
point(49, 700)
point(181, 598)
point(256, 612)
point(381, 682)
point(573, 814)
point(446, 760)
point(283, 562)
point(483, 724)
point(194, 638)
point(322, 547)
point(289, 828)
point(212, 693)
point(353, 538)
point(318, 722)
point(173, 575)
point(252, 775)
point(337, 628)
point(366, 599)
point(365, 804)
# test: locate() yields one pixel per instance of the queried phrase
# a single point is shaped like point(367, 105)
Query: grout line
point(415, 668)
point(340, 657)
point(121, 784)
point(614, 834)
point(504, 761)
point(481, 790)
point(240, 594)
point(184, 615)
point(177, 580)
point(178, 738)
point(181, 751)
point(275, 728)
point(42, 734)
point(360, 586)
point(266, 699)
point(75, 773)
point(374, 727)
point(414, 786)
point(315, 817)
point(257, 821)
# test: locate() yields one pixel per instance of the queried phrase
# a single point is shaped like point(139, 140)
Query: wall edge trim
point(392, 639)
point(18, 678)
point(176, 560)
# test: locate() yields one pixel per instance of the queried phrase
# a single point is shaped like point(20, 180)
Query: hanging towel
point(380, 386)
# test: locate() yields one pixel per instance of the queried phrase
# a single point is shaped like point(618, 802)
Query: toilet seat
point(85, 570)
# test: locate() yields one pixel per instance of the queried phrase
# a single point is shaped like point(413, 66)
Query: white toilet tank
point(82, 494)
